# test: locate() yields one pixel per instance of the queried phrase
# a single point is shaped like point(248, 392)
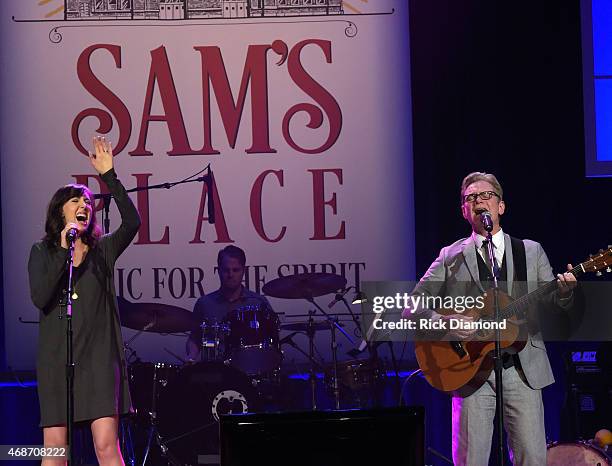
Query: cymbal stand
point(208, 351)
point(332, 319)
point(373, 355)
point(333, 326)
point(334, 347)
point(153, 432)
point(310, 332)
point(127, 444)
point(129, 350)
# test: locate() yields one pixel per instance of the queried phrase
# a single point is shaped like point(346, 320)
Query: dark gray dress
point(100, 384)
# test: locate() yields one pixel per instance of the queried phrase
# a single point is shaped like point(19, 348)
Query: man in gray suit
point(461, 268)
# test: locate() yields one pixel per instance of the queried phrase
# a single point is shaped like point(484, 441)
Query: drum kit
point(581, 453)
point(180, 405)
point(595, 452)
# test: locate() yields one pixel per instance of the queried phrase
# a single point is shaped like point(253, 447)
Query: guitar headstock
point(597, 262)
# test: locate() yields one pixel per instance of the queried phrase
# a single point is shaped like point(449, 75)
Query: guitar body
point(451, 365)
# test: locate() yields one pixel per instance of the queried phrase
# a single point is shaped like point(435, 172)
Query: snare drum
point(575, 454)
point(253, 343)
point(355, 374)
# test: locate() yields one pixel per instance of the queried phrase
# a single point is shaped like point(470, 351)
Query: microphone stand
point(208, 179)
point(106, 198)
point(497, 355)
point(353, 315)
point(69, 357)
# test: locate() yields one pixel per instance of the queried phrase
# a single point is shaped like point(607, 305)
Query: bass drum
point(190, 405)
point(575, 454)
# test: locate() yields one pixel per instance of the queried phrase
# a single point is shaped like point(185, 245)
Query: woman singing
point(101, 392)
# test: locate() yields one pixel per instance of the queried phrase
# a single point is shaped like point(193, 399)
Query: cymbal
point(155, 317)
point(304, 285)
point(304, 326)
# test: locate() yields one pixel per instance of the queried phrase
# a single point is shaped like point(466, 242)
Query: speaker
point(325, 438)
point(588, 402)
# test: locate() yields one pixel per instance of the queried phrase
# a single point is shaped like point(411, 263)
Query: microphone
point(71, 235)
point(339, 297)
point(486, 220)
point(211, 200)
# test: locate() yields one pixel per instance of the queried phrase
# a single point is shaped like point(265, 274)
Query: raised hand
point(102, 157)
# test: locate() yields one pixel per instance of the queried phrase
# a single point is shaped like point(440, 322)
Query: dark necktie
point(485, 253)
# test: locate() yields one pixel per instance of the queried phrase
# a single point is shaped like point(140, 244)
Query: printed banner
point(301, 107)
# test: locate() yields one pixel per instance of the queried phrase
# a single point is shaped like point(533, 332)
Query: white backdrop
point(353, 70)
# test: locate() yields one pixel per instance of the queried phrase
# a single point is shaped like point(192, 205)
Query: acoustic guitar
point(451, 365)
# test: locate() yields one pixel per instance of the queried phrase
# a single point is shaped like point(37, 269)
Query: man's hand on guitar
point(566, 282)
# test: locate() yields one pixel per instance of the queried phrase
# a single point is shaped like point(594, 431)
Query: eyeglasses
point(485, 196)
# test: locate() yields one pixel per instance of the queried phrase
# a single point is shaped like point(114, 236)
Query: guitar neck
point(530, 298)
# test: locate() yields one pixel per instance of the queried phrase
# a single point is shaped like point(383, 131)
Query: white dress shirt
point(499, 246)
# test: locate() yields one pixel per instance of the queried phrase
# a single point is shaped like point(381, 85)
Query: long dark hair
point(55, 218)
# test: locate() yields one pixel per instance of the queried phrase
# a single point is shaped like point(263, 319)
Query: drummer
point(214, 307)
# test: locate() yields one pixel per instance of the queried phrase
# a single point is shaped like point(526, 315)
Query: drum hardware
point(358, 300)
point(579, 453)
point(252, 343)
point(158, 375)
point(298, 327)
point(127, 443)
point(359, 381)
point(372, 348)
point(191, 403)
point(334, 324)
point(155, 317)
point(309, 327)
point(308, 286)
point(213, 336)
point(178, 358)
point(126, 424)
point(304, 285)
point(268, 386)
point(356, 375)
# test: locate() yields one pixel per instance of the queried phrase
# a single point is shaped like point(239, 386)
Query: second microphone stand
point(497, 354)
point(208, 179)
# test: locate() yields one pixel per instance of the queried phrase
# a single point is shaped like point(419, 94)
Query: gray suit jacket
point(455, 272)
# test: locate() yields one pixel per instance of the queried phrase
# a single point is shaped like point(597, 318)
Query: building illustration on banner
point(196, 9)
